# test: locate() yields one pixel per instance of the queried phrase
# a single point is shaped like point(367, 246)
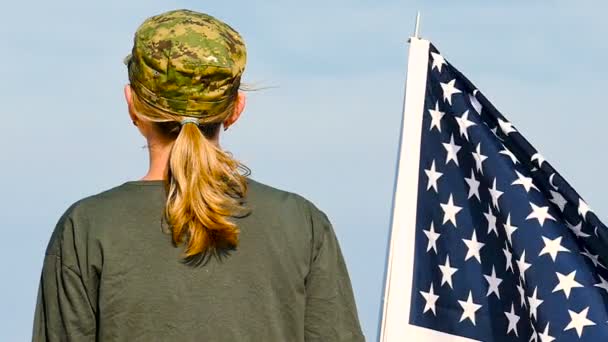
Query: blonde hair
point(203, 185)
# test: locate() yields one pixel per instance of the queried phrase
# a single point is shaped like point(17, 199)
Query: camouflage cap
point(186, 63)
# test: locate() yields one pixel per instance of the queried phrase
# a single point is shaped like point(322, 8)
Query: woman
point(195, 250)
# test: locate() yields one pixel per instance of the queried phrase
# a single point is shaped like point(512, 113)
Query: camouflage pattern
point(186, 63)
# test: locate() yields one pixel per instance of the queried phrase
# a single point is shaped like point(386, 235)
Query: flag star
point(464, 123)
point(473, 186)
point(552, 247)
point(524, 181)
point(491, 221)
point(475, 103)
point(566, 283)
point(513, 319)
point(508, 153)
point(522, 294)
point(539, 213)
point(583, 208)
point(506, 127)
point(509, 229)
point(452, 150)
point(479, 158)
point(558, 200)
point(603, 284)
point(469, 308)
point(578, 229)
point(578, 321)
point(495, 193)
point(438, 61)
point(539, 158)
point(545, 337)
point(433, 176)
point(493, 283)
point(474, 247)
point(447, 271)
point(534, 302)
point(436, 116)
point(432, 236)
point(449, 89)
point(594, 258)
point(551, 181)
point(523, 266)
point(534, 336)
point(508, 257)
point(430, 298)
point(449, 211)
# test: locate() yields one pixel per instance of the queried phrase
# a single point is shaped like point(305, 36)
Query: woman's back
point(110, 260)
point(194, 250)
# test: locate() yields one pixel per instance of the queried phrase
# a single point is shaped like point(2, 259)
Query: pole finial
point(417, 29)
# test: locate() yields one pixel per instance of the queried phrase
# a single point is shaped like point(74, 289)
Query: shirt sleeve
point(63, 307)
point(331, 312)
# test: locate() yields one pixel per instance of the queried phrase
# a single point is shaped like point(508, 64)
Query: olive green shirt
point(111, 273)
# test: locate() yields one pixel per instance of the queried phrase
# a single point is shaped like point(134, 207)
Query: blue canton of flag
point(505, 249)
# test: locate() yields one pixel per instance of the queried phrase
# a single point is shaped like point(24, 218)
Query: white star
point(464, 124)
point(603, 284)
point(495, 193)
point(594, 258)
point(438, 61)
point(539, 213)
point(448, 90)
point(545, 337)
point(578, 321)
point(475, 103)
point(452, 150)
point(432, 236)
point(473, 186)
point(430, 299)
point(566, 283)
point(508, 258)
point(540, 159)
point(534, 336)
point(551, 181)
point(447, 271)
point(558, 200)
point(552, 247)
point(449, 211)
point(509, 229)
point(513, 319)
point(474, 247)
point(506, 127)
point(524, 181)
point(469, 308)
point(522, 294)
point(436, 116)
point(479, 158)
point(523, 266)
point(583, 208)
point(493, 283)
point(491, 221)
point(534, 302)
point(578, 229)
point(508, 153)
point(433, 176)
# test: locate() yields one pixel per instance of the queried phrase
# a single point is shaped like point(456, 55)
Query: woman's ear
point(129, 99)
point(238, 109)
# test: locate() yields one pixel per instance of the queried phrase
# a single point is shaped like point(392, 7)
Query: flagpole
point(416, 49)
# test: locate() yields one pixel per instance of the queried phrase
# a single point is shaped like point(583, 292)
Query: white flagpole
point(399, 277)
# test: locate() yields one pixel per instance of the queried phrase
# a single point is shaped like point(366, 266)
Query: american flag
point(488, 241)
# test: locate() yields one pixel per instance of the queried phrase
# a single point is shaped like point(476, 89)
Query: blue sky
point(328, 129)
